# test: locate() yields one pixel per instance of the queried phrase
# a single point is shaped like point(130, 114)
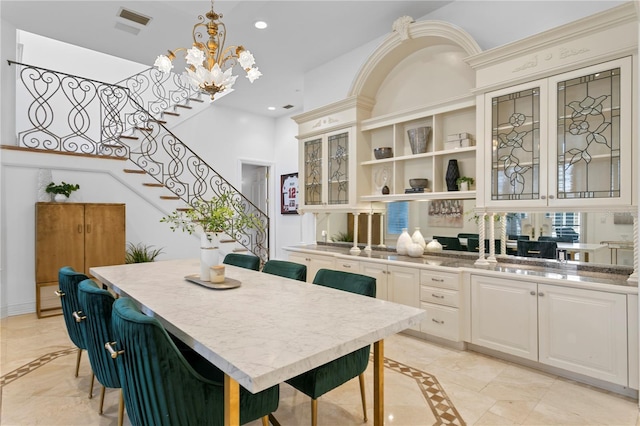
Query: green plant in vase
point(465, 182)
point(61, 191)
point(141, 253)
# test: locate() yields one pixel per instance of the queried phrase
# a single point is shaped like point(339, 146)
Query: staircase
point(129, 120)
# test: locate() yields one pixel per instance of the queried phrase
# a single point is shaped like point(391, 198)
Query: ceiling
point(302, 35)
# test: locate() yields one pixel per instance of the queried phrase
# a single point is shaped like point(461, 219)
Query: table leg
point(378, 383)
point(231, 402)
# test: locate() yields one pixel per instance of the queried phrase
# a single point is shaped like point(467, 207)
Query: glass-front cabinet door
point(326, 170)
point(562, 141)
point(591, 112)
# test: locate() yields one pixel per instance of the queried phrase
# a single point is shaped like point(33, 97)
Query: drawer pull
point(437, 321)
point(346, 266)
point(437, 296)
point(437, 280)
point(533, 293)
point(541, 294)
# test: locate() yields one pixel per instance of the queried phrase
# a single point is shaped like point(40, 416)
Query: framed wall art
point(289, 193)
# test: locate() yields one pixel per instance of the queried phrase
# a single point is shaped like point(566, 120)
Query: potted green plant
point(62, 191)
point(140, 253)
point(465, 182)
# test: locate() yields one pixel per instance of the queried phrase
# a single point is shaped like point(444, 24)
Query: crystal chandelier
point(207, 60)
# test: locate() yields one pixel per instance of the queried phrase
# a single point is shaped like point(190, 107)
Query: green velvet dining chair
point(95, 321)
point(161, 387)
point(322, 379)
point(243, 261)
point(68, 282)
point(449, 243)
point(286, 269)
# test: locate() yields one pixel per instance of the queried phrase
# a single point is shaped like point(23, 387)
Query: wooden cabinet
point(579, 330)
point(76, 235)
point(313, 262)
point(379, 272)
point(457, 118)
point(563, 141)
point(440, 297)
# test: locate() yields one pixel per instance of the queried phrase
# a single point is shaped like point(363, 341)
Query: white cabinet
point(379, 272)
point(408, 162)
point(313, 262)
point(562, 141)
point(440, 297)
point(583, 331)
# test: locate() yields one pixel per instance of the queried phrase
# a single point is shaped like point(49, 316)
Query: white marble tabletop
point(264, 332)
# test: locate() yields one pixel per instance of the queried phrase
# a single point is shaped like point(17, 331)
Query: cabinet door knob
point(437, 321)
point(438, 280)
point(79, 229)
point(551, 197)
point(543, 197)
point(437, 296)
point(88, 228)
point(533, 293)
point(541, 294)
point(346, 266)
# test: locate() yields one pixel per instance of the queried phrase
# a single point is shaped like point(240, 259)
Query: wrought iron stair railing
point(94, 117)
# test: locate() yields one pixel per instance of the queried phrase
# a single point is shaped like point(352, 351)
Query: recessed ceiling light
point(261, 25)
point(271, 108)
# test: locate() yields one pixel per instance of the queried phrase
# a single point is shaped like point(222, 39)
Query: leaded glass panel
point(515, 134)
point(338, 179)
point(313, 172)
point(588, 131)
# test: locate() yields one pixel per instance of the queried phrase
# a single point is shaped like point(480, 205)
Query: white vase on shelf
point(434, 246)
point(417, 238)
point(415, 250)
point(403, 242)
point(208, 254)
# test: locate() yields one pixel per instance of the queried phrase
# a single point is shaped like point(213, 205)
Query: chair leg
point(364, 400)
point(93, 377)
point(265, 420)
point(78, 361)
point(101, 400)
point(121, 409)
point(314, 412)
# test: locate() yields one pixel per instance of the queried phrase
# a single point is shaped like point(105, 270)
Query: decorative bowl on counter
point(419, 182)
point(383, 152)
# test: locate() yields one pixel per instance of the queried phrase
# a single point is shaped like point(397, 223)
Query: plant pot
point(464, 186)
point(60, 198)
point(209, 254)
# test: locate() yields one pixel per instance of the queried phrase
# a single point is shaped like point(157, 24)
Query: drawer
point(440, 279)
point(439, 296)
point(442, 321)
point(348, 265)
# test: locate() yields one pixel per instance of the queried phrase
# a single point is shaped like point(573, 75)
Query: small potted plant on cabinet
point(62, 191)
point(465, 182)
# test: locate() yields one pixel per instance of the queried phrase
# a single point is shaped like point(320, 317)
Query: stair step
point(196, 100)
point(240, 250)
point(155, 120)
point(138, 171)
point(183, 106)
point(153, 184)
point(169, 197)
point(144, 129)
point(227, 241)
point(171, 113)
point(129, 137)
point(184, 209)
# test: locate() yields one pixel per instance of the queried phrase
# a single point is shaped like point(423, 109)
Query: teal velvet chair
point(95, 321)
point(322, 379)
point(68, 282)
point(286, 269)
point(161, 387)
point(243, 261)
point(540, 249)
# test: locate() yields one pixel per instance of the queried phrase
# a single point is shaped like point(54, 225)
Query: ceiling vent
point(287, 106)
point(133, 16)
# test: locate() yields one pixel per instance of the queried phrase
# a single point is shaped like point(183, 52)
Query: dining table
point(264, 331)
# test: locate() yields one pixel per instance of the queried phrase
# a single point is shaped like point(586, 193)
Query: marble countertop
point(570, 272)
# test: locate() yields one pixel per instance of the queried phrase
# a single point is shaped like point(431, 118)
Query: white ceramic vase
point(209, 254)
point(434, 246)
point(403, 242)
point(464, 186)
point(60, 198)
point(415, 250)
point(417, 238)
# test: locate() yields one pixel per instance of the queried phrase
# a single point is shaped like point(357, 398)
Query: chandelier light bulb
point(209, 64)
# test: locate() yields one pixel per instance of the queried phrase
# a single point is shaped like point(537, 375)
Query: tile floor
point(38, 387)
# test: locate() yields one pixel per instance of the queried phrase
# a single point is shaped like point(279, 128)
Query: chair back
point(286, 269)
point(161, 388)
point(468, 235)
point(540, 249)
point(243, 261)
point(473, 244)
point(347, 281)
point(68, 282)
point(565, 239)
point(517, 237)
point(449, 243)
point(96, 305)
